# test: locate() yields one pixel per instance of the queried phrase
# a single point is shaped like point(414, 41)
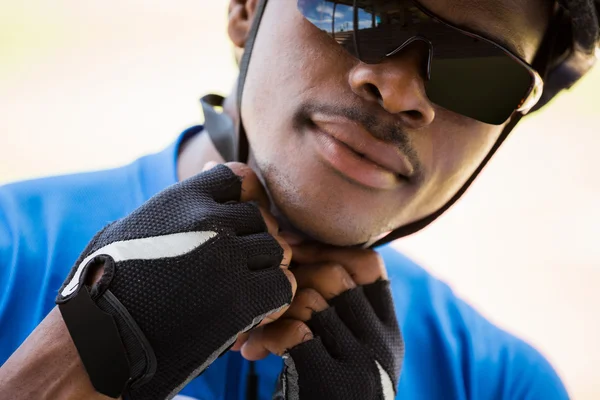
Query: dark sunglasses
point(465, 73)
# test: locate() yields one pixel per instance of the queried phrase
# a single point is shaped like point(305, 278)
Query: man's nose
point(397, 84)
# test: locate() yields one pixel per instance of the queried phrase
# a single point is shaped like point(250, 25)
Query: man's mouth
point(355, 153)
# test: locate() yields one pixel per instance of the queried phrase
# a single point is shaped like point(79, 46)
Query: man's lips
point(354, 153)
point(359, 140)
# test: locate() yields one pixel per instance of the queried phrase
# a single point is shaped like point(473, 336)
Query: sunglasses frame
point(536, 88)
point(533, 94)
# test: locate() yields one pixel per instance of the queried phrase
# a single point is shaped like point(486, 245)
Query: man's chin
point(313, 228)
point(303, 210)
point(333, 239)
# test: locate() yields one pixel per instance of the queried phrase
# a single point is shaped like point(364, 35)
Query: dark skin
point(294, 64)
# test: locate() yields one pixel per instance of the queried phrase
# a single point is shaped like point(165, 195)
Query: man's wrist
point(47, 365)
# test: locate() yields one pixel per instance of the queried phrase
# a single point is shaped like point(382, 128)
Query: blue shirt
point(452, 352)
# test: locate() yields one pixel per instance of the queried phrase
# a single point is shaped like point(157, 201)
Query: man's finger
point(252, 188)
point(329, 279)
point(287, 252)
point(275, 338)
point(252, 191)
point(276, 315)
point(241, 339)
point(285, 262)
point(306, 302)
point(364, 265)
point(270, 221)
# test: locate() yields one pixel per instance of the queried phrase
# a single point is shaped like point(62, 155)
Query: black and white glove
point(356, 353)
point(184, 274)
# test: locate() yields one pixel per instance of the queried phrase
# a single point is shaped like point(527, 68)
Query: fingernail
point(291, 238)
point(349, 283)
point(209, 165)
point(307, 336)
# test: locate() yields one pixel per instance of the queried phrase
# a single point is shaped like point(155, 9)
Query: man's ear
point(241, 15)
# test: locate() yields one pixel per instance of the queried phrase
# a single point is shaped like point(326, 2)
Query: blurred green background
point(88, 84)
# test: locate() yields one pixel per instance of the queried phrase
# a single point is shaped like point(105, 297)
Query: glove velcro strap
point(98, 342)
point(114, 351)
point(142, 360)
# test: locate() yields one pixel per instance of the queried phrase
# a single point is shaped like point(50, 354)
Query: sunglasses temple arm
point(534, 95)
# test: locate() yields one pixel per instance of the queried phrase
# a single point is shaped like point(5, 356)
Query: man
point(364, 121)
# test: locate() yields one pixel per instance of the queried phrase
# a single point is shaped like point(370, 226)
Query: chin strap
point(230, 140)
point(243, 148)
point(220, 127)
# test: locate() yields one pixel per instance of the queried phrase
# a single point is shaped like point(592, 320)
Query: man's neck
point(194, 154)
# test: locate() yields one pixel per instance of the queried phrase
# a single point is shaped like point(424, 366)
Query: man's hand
point(181, 277)
point(340, 338)
point(184, 275)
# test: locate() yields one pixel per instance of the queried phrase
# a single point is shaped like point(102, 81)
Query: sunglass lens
point(336, 19)
point(487, 85)
point(469, 76)
point(384, 27)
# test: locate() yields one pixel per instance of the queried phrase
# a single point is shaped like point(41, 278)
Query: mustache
point(381, 128)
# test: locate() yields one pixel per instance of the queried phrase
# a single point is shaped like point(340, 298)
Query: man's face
point(301, 83)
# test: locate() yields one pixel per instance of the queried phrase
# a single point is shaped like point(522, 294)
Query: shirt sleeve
point(24, 273)
point(8, 248)
point(534, 378)
point(506, 367)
